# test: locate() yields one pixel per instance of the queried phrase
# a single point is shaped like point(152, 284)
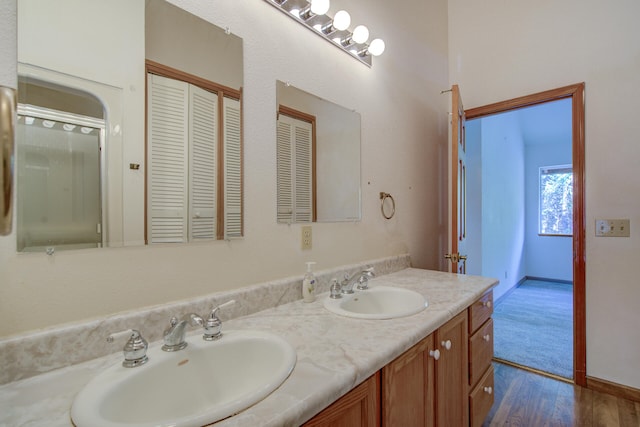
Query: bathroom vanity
point(433, 366)
point(427, 384)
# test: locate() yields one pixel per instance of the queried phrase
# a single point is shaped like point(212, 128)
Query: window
point(556, 201)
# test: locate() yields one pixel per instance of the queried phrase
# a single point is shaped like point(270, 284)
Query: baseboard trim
point(615, 389)
point(546, 279)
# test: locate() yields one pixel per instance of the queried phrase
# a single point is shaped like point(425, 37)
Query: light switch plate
point(613, 228)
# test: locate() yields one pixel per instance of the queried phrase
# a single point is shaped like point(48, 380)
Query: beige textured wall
point(404, 128)
point(501, 50)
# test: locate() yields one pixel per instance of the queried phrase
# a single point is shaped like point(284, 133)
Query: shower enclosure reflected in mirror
point(73, 47)
point(59, 163)
point(318, 159)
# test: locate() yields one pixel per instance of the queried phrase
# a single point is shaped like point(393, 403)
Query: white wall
point(503, 204)
point(501, 50)
point(473, 138)
point(404, 138)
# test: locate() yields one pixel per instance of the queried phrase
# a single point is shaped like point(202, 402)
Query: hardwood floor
point(526, 399)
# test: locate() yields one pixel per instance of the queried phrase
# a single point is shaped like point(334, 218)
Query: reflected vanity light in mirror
point(334, 30)
point(318, 159)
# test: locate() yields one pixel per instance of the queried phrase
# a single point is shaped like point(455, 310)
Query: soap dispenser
point(309, 284)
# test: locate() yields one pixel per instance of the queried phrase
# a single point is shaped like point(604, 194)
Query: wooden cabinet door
point(452, 373)
point(358, 408)
point(408, 388)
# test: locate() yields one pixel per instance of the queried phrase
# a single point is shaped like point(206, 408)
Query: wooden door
point(452, 372)
point(457, 250)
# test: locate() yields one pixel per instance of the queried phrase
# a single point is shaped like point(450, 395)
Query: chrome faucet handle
point(363, 280)
point(213, 325)
point(335, 289)
point(363, 283)
point(135, 350)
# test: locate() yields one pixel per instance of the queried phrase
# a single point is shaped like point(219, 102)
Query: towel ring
point(383, 197)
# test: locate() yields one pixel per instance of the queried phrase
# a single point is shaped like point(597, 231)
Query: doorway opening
point(575, 262)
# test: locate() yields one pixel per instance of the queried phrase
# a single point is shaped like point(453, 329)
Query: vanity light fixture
point(313, 15)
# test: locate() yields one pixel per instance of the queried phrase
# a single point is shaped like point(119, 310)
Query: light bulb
point(341, 20)
point(319, 7)
point(68, 127)
point(376, 47)
point(360, 34)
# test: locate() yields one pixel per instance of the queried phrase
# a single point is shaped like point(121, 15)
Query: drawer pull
point(486, 304)
point(488, 390)
point(435, 354)
point(447, 344)
point(486, 337)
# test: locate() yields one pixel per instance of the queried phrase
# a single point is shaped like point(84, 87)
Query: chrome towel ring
point(384, 196)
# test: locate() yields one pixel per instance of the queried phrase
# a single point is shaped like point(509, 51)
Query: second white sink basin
point(205, 382)
point(380, 302)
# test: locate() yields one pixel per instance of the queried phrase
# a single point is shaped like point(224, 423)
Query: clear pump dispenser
point(309, 284)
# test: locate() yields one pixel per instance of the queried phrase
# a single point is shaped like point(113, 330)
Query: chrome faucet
point(174, 335)
point(360, 277)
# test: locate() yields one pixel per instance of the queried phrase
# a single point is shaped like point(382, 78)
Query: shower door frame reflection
point(60, 118)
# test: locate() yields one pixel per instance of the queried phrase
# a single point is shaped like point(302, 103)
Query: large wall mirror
point(130, 125)
point(318, 159)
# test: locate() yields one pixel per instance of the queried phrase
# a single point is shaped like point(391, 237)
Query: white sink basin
point(380, 302)
point(205, 382)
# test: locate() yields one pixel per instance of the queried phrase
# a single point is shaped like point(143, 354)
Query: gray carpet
point(533, 326)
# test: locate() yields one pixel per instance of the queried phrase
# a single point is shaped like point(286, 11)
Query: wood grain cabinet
point(452, 373)
point(445, 380)
point(408, 387)
point(480, 355)
point(427, 385)
point(358, 408)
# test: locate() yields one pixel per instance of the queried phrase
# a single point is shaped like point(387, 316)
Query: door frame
point(576, 93)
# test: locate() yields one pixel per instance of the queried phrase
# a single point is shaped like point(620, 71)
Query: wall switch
point(306, 237)
point(613, 228)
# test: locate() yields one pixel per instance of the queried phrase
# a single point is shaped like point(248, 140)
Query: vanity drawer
point(480, 351)
point(480, 311)
point(481, 399)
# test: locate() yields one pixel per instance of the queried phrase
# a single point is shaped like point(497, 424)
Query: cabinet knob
point(435, 354)
point(488, 390)
point(486, 337)
point(486, 304)
point(446, 344)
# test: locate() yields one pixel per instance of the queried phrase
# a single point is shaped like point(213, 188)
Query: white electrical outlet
point(613, 228)
point(306, 237)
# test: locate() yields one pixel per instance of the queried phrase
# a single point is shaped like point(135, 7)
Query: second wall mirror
point(318, 159)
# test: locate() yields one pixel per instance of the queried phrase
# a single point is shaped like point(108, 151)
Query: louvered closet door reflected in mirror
point(188, 197)
point(296, 157)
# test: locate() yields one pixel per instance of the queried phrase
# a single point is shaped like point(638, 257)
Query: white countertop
point(335, 354)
